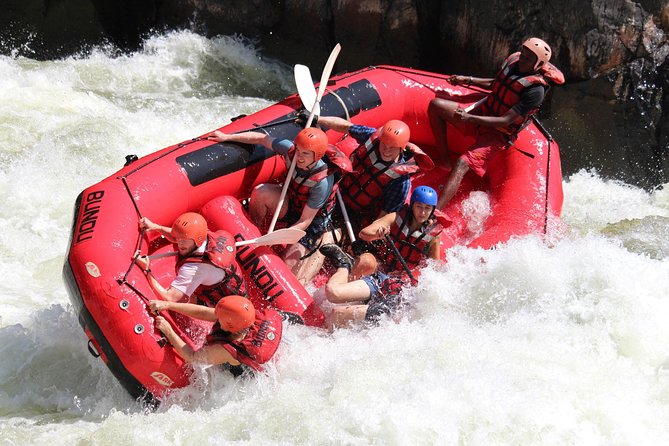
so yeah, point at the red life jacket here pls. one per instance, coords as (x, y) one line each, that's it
(413, 247)
(301, 183)
(362, 189)
(260, 343)
(232, 283)
(507, 87)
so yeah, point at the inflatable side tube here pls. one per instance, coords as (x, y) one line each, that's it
(270, 283)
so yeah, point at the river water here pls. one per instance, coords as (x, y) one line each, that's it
(527, 344)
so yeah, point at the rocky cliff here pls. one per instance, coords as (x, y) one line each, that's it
(613, 114)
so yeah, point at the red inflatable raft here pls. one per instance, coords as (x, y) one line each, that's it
(109, 294)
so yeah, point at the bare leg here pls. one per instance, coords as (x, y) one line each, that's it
(439, 112)
(305, 270)
(453, 182)
(347, 315)
(339, 290)
(292, 256)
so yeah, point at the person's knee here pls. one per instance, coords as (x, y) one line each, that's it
(262, 195)
(434, 107)
(333, 293)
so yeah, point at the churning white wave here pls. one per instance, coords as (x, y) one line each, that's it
(525, 344)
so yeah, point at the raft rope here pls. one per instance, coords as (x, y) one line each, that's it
(341, 102)
(138, 245)
(124, 180)
(549, 139)
(163, 340)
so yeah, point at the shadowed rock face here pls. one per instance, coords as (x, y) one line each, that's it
(612, 115)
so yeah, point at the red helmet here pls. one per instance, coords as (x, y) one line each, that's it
(395, 133)
(312, 139)
(235, 313)
(190, 225)
(540, 49)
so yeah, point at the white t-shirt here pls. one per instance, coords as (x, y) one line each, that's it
(192, 275)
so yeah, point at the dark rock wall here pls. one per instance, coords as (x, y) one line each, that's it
(613, 114)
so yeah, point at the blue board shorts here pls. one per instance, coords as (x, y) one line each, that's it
(381, 301)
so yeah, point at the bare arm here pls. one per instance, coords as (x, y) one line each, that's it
(378, 229)
(335, 123)
(168, 294)
(306, 218)
(171, 294)
(148, 225)
(191, 310)
(483, 82)
(209, 354)
(244, 138)
(487, 121)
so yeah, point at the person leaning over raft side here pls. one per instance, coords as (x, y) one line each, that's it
(241, 335)
(206, 269)
(516, 94)
(415, 231)
(383, 165)
(310, 197)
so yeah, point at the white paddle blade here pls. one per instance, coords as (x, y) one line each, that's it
(286, 236)
(305, 87)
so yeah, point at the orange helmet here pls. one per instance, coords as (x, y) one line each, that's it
(235, 313)
(190, 225)
(314, 140)
(395, 133)
(540, 49)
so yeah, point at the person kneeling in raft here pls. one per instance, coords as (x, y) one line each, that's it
(241, 336)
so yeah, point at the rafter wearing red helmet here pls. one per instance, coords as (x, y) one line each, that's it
(383, 165)
(243, 337)
(206, 268)
(310, 196)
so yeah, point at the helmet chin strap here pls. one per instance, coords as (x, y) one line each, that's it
(312, 164)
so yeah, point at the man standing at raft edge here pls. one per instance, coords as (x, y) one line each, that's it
(516, 94)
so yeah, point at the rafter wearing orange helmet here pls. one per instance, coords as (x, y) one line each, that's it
(310, 191)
